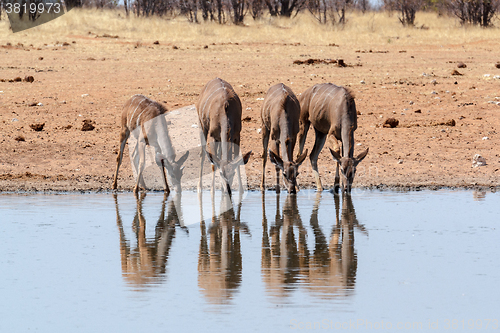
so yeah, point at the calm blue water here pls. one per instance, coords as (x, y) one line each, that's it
(379, 260)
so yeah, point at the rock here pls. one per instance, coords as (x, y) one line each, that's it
(478, 161)
(156, 42)
(455, 72)
(461, 65)
(391, 123)
(497, 65)
(19, 138)
(29, 79)
(88, 125)
(450, 122)
(37, 127)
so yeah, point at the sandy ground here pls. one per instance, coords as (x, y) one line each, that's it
(91, 78)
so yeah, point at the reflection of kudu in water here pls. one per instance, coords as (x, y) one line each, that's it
(333, 264)
(140, 111)
(283, 258)
(146, 263)
(220, 261)
(331, 267)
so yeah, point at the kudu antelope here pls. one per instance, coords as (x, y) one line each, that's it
(219, 113)
(280, 120)
(140, 111)
(332, 112)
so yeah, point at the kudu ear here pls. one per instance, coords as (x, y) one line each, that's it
(213, 159)
(360, 157)
(275, 159)
(336, 156)
(301, 158)
(242, 160)
(183, 158)
(246, 157)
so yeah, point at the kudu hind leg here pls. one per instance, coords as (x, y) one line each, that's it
(303, 129)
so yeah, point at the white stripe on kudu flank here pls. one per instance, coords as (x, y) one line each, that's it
(210, 98)
(131, 117)
(138, 121)
(274, 92)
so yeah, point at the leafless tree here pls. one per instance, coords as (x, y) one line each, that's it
(329, 11)
(256, 8)
(363, 5)
(238, 11)
(406, 9)
(476, 12)
(285, 8)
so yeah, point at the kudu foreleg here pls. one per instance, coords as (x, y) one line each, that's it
(142, 160)
(123, 140)
(337, 148)
(318, 145)
(265, 142)
(275, 148)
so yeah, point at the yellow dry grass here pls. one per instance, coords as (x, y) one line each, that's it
(375, 28)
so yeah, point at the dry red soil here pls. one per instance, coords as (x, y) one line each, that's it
(91, 78)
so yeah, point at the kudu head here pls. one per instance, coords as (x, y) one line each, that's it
(174, 168)
(227, 168)
(348, 168)
(290, 169)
